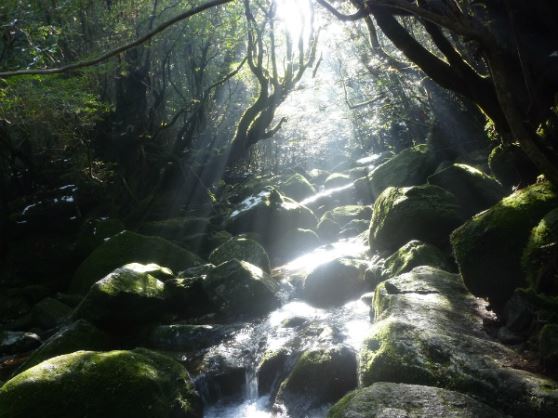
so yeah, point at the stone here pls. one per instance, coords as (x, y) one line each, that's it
(50, 312)
(129, 247)
(328, 229)
(320, 375)
(93, 233)
(344, 214)
(335, 282)
(413, 254)
(186, 297)
(411, 167)
(124, 298)
(540, 256)
(428, 330)
(115, 384)
(335, 180)
(548, 347)
(272, 370)
(511, 166)
(488, 247)
(186, 337)
(14, 342)
(238, 288)
(241, 248)
(294, 243)
(390, 400)
(79, 335)
(176, 229)
(363, 190)
(474, 190)
(297, 187)
(426, 213)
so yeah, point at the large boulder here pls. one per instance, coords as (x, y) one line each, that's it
(540, 256)
(410, 167)
(427, 213)
(320, 375)
(270, 214)
(511, 166)
(488, 247)
(79, 335)
(124, 298)
(335, 282)
(413, 254)
(186, 297)
(475, 191)
(128, 247)
(294, 243)
(93, 233)
(238, 288)
(390, 400)
(297, 187)
(241, 248)
(429, 330)
(114, 384)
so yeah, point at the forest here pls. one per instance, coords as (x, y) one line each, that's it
(278, 208)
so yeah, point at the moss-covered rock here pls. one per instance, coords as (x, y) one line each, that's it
(294, 243)
(115, 384)
(427, 213)
(238, 288)
(428, 331)
(328, 229)
(272, 369)
(297, 187)
(79, 335)
(318, 176)
(186, 297)
(475, 191)
(335, 282)
(269, 214)
(413, 254)
(320, 375)
(488, 247)
(50, 312)
(93, 233)
(126, 297)
(548, 347)
(410, 167)
(511, 166)
(363, 190)
(344, 214)
(241, 248)
(540, 256)
(128, 247)
(385, 400)
(335, 180)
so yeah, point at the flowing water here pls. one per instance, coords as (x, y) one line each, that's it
(295, 324)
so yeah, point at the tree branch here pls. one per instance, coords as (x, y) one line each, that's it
(116, 51)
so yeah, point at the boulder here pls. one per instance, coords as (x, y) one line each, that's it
(427, 213)
(413, 254)
(410, 167)
(269, 214)
(14, 342)
(429, 330)
(273, 369)
(93, 233)
(320, 375)
(115, 384)
(548, 347)
(511, 166)
(238, 288)
(128, 247)
(297, 187)
(335, 282)
(328, 229)
(540, 256)
(176, 229)
(390, 400)
(489, 246)
(335, 180)
(186, 297)
(344, 214)
(49, 313)
(294, 243)
(241, 248)
(79, 335)
(474, 190)
(124, 298)
(363, 190)
(185, 337)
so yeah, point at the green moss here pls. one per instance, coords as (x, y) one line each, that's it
(408, 168)
(297, 187)
(414, 254)
(488, 247)
(343, 214)
(128, 247)
(338, 410)
(115, 384)
(241, 248)
(511, 166)
(427, 213)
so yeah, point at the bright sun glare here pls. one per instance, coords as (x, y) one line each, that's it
(295, 15)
